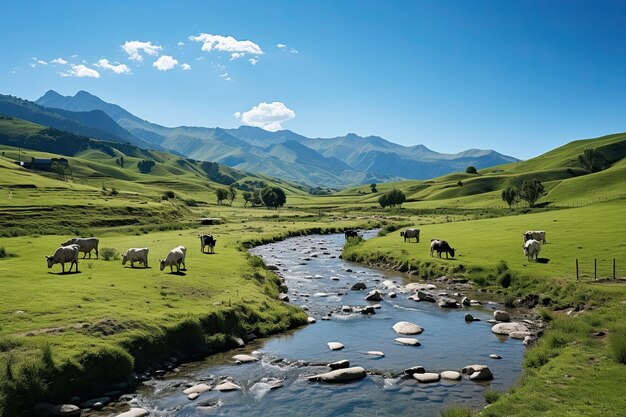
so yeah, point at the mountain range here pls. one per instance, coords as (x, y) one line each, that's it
(328, 162)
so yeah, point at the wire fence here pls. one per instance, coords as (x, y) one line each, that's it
(600, 269)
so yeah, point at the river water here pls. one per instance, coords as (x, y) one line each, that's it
(320, 281)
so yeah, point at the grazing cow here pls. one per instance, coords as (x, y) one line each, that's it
(207, 240)
(176, 257)
(64, 254)
(531, 249)
(410, 234)
(441, 246)
(539, 235)
(351, 233)
(136, 255)
(86, 245)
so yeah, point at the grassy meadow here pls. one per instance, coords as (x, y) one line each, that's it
(64, 334)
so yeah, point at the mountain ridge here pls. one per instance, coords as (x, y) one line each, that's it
(340, 161)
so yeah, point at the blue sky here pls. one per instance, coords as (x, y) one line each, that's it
(520, 77)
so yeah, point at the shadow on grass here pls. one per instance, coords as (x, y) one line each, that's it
(209, 253)
(138, 267)
(180, 273)
(65, 273)
(543, 260)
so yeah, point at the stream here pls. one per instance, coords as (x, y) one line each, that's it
(319, 281)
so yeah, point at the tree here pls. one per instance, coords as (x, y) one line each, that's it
(531, 191)
(62, 170)
(471, 170)
(592, 160)
(221, 194)
(273, 197)
(510, 194)
(256, 198)
(145, 166)
(373, 187)
(247, 198)
(393, 198)
(232, 193)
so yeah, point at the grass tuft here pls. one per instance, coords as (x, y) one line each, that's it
(457, 411)
(109, 254)
(617, 344)
(491, 396)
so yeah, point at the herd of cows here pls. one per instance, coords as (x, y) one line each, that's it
(69, 250)
(532, 242)
(68, 253)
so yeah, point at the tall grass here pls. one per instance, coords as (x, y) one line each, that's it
(457, 411)
(617, 345)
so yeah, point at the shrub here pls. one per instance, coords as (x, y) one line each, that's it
(491, 396)
(505, 279)
(169, 194)
(502, 267)
(617, 344)
(509, 301)
(109, 254)
(3, 252)
(545, 314)
(471, 169)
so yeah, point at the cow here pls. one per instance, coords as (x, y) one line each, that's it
(175, 257)
(207, 240)
(531, 249)
(538, 235)
(64, 254)
(86, 244)
(440, 246)
(410, 234)
(350, 233)
(136, 255)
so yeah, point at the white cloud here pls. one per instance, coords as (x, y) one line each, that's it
(134, 49)
(281, 45)
(200, 58)
(165, 63)
(221, 43)
(80, 71)
(253, 61)
(74, 56)
(268, 116)
(185, 67)
(181, 43)
(294, 51)
(118, 68)
(59, 61)
(37, 62)
(224, 75)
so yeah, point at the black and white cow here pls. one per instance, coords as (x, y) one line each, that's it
(207, 240)
(439, 246)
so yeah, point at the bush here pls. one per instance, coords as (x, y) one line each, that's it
(505, 279)
(169, 194)
(491, 396)
(3, 252)
(109, 254)
(617, 344)
(471, 169)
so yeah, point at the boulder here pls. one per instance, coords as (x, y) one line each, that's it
(368, 310)
(283, 297)
(358, 286)
(335, 345)
(193, 396)
(227, 386)
(416, 286)
(415, 370)
(271, 268)
(311, 320)
(377, 306)
(501, 315)
(66, 410)
(374, 296)
(453, 375)
(339, 364)
(427, 377)
(134, 412)
(465, 301)
(519, 335)
(495, 356)
(475, 303)
(199, 388)
(340, 375)
(244, 358)
(96, 403)
(375, 353)
(425, 296)
(405, 327)
(346, 309)
(392, 294)
(445, 302)
(478, 372)
(469, 317)
(409, 341)
(529, 340)
(508, 328)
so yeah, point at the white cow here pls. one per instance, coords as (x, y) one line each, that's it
(410, 234)
(64, 254)
(136, 255)
(531, 249)
(539, 235)
(86, 244)
(176, 257)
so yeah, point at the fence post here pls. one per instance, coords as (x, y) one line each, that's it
(613, 268)
(576, 268)
(595, 269)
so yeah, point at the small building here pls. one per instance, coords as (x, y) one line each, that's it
(44, 164)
